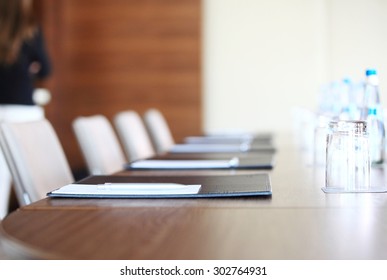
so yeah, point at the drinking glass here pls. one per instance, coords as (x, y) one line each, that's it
(347, 156)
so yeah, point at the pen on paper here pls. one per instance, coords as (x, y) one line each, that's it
(234, 162)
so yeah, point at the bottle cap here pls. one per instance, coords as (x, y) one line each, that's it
(372, 77)
(347, 81)
(370, 72)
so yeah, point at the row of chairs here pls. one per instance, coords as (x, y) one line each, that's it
(38, 163)
(140, 139)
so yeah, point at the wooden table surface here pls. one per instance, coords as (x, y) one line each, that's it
(299, 221)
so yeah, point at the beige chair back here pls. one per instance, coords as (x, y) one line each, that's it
(99, 144)
(158, 130)
(133, 135)
(35, 158)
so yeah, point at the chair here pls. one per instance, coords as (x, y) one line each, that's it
(133, 135)
(159, 130)
(99, 144)
(5, 186)
(35, 158)
(13, 114)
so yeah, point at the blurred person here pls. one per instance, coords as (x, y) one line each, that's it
(23, 61)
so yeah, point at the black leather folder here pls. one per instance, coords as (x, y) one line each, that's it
(210, 186)
(172, 161)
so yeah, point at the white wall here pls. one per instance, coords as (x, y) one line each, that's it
(262, 58)
(358, 38)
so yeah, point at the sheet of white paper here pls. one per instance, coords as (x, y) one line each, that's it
(183, 164)
(128, 189)
(217, 140)
(208, 148)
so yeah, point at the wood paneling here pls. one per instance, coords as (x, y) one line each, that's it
(116, 55)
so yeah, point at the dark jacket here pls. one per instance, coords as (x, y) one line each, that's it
(16, 81)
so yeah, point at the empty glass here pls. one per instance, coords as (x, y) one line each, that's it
(320, 139)
(347, 156)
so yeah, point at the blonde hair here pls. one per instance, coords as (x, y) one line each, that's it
(17, 24)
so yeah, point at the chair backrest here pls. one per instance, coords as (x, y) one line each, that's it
(133, 135)
(99, 144)
(158, 130)
(5, 186)
(35, 158)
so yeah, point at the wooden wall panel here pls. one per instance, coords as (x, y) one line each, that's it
(116, 55)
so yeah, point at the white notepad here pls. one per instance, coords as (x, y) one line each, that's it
(209, 148)
(124, 189)
(184, 164)
(217, 140)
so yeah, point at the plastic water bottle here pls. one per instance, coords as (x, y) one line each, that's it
(346, 102)
(372, 112)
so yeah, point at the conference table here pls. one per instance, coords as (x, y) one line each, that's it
(298, 221)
